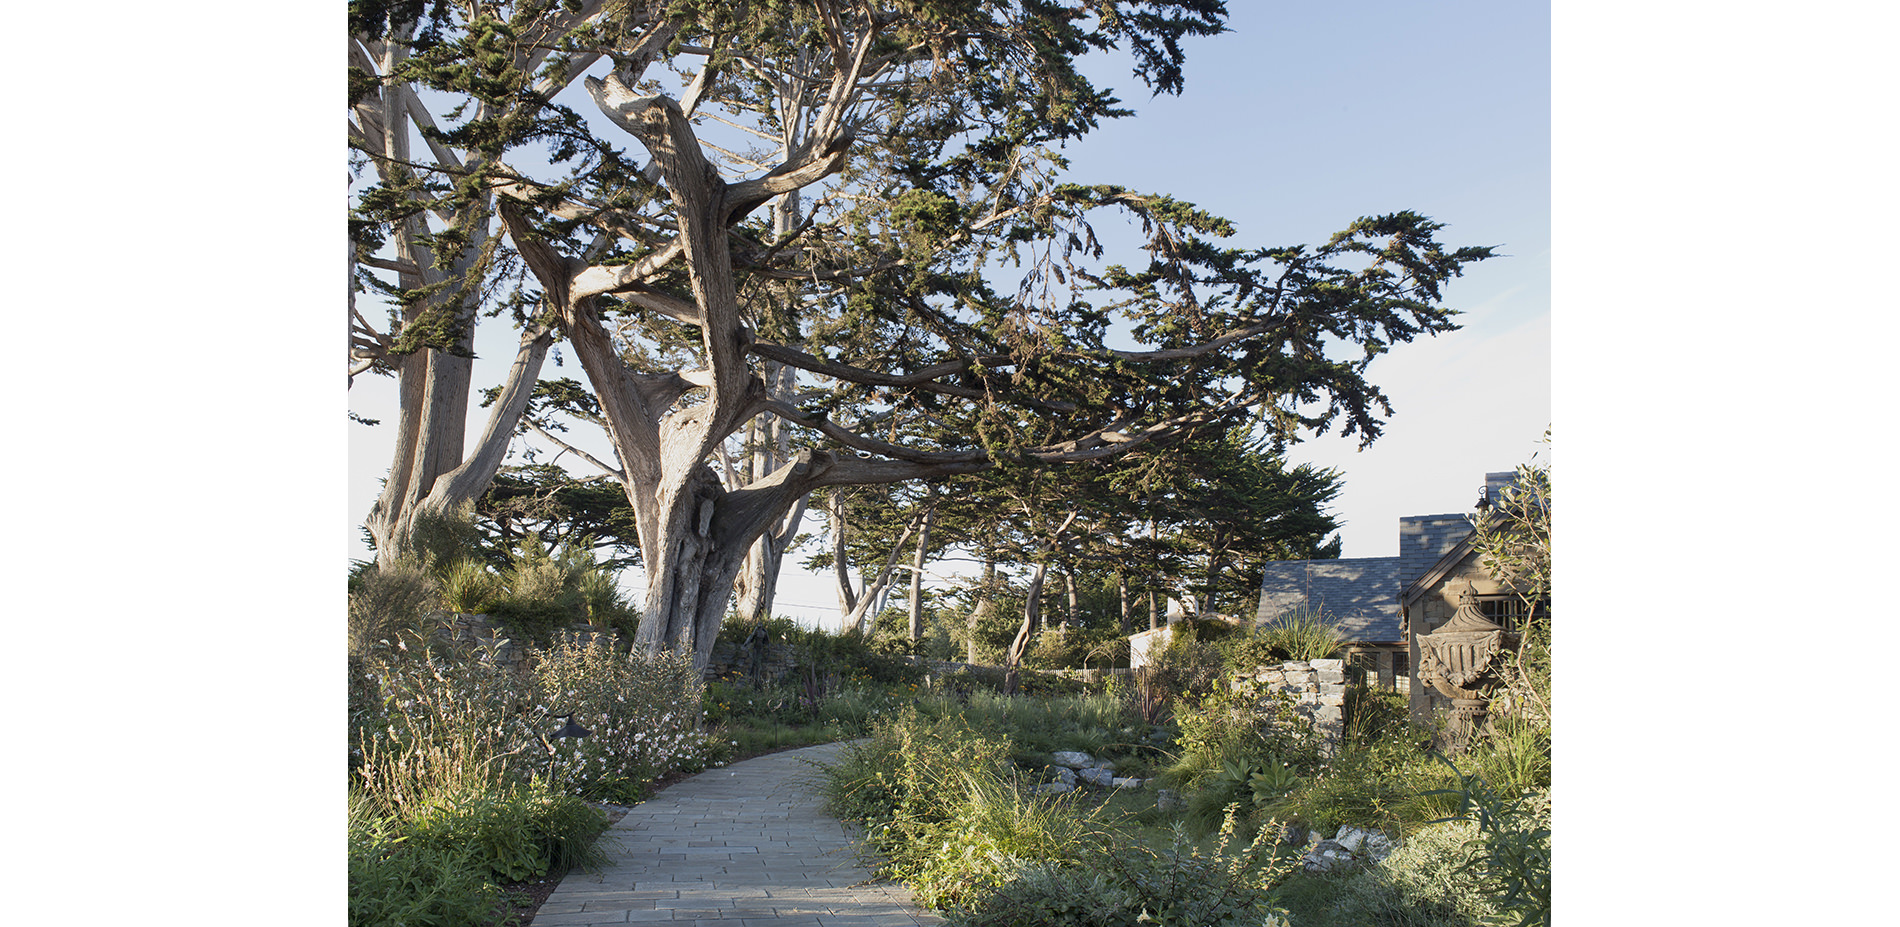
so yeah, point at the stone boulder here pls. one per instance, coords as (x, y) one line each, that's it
(1327, 856)
(1072, 768)
(1351, 846)
(1366, 844)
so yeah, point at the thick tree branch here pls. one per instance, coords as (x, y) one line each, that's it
(855, 441)
(612, 279)
(567, 448)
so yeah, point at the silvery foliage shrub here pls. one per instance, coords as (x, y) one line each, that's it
(1426, 882)
(1229, 885)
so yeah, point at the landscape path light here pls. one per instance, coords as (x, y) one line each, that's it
(570, 729)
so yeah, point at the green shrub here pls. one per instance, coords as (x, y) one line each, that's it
(389, 603)
(391, 882)
(1224, 724)
(1054, 893)
(1373, 715)
(1511, 853)
(910, 768)
(468, 586)
(854, 660)
(966, 680)
(855, 710)
(1076, 648)
(543, 592)
(946, 811)
(1194, 662)
(439, 537)
(436, 860)
(995, 829)
(1371, 786)
(941, 804)
(513, 834)
(1248, 652)
(1514, 756)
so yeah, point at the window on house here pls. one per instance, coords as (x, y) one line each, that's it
(1509, 611)
(1401, 663)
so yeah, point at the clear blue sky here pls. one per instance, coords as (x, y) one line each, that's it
(1307, 116)
(1300, 120)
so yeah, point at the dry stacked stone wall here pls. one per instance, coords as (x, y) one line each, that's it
(498, 645)
(1316, 688)
(735, 660)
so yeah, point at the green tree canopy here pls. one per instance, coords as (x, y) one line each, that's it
(810, 211)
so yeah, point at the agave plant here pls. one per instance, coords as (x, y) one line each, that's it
(1271, 780)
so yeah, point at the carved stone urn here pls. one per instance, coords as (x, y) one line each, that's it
(1462, 660)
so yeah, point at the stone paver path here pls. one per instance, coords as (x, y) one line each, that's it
(743, 844)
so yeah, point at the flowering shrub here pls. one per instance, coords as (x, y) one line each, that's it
(445, 724)
(642, 712)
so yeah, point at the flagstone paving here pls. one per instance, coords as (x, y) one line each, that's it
(742, 844)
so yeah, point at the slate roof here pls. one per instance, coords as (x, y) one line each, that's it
(1362, 593)
(1425, 538)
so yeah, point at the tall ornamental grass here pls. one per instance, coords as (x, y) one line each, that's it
(945, 812)
(1301, 634)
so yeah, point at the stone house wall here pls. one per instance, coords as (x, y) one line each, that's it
(496, 644)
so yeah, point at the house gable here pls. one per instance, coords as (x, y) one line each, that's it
(1435, 574)
(1425, 539)
(1367, 595)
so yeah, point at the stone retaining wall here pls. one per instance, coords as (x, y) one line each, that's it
(495, 643)
(1317, 689)
(734, 660)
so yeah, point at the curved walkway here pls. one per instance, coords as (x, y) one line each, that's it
(743, 844)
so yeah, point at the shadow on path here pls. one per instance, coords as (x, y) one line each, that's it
(743, 844)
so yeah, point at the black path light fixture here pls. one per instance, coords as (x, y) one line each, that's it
(570, 729)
